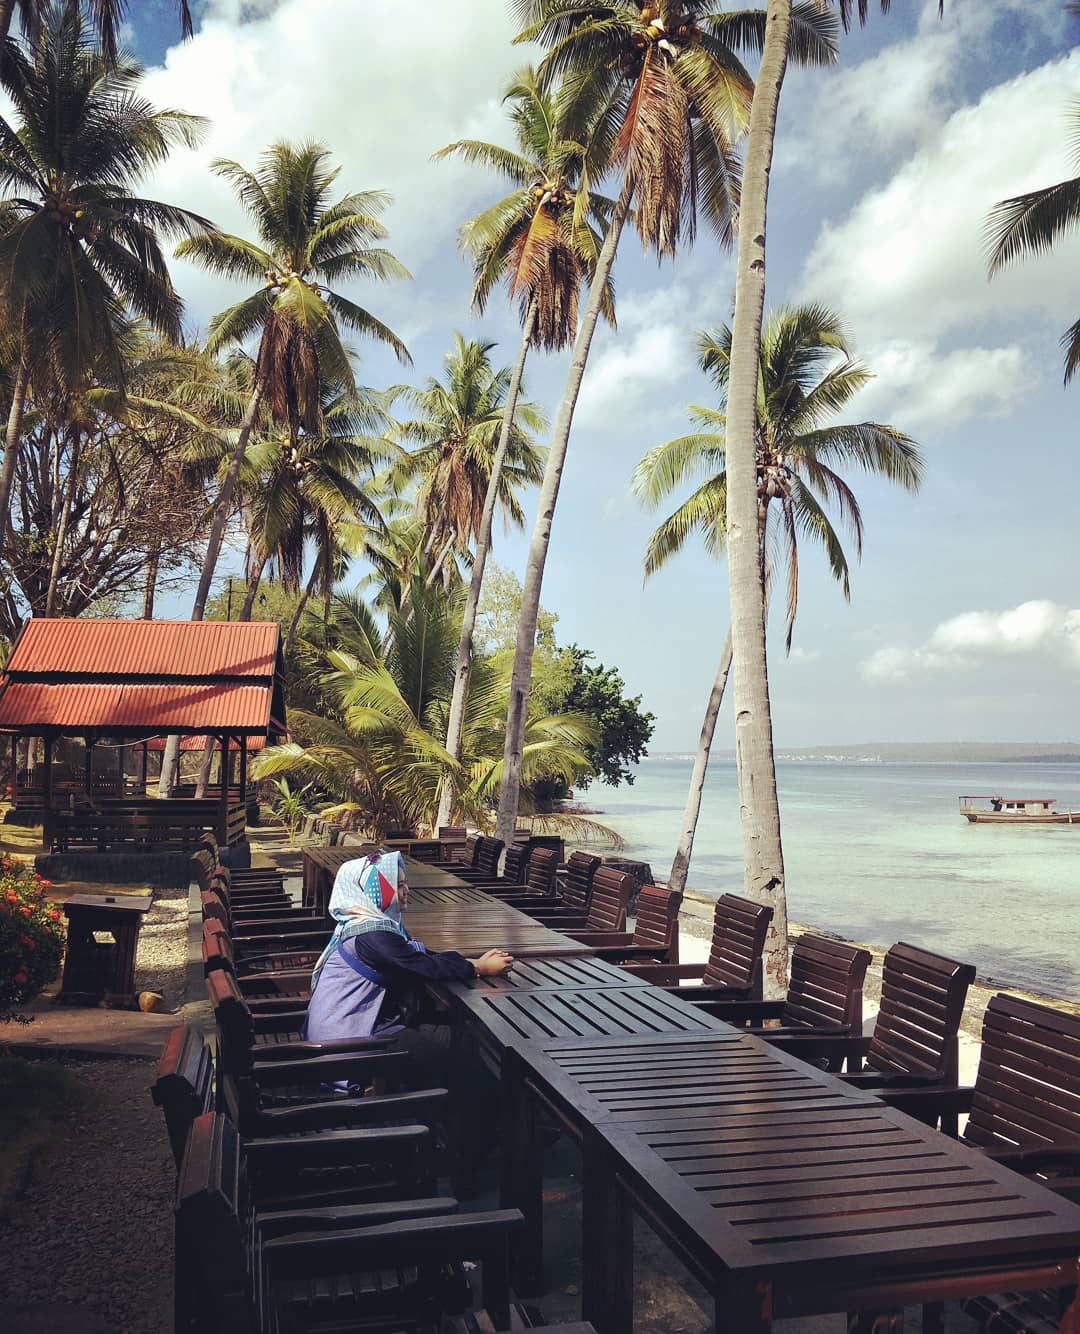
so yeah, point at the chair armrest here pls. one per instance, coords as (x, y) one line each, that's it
(1029, 1161)
(456, 1237)
(253, 928)
(290, 1020)
(280, 1222)
(284, 984)
(275, 1005)
(422, 1107)
(882, 1081)
(345, 1148)
(292, 1060)
(609, 938)
(561, 920)
(742, 1013)
(813, 1047)
(282, 941)
(669, 974)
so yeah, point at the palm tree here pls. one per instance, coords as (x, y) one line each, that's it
(457, 431)
(807, 376)
(542, 241)
(306, 242)
(763, 855)
(1031, 224)
(659, 94)
(79, 250)
(373, 747)
(108, 16)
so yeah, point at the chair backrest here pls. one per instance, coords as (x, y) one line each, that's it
(1029, 1073)
(739, 930)
(211, 1209)
(541, 875)
(489, 851)
(236, 1030)
(456, 831)
(516, 865)
(202, 866)
(400, 833)
(657, 921)
(577, 887)
(826, 986)
(472, 848)
(922, 1002)
(611, 891)
(184, 1086)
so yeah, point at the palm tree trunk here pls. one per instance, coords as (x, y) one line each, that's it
(213, 550)
(541, 536)
(763, 856)
(62, 527)
(11, 443)
(204, 768)
(254, 580)
(681, 865)
(294, 624)
(476, 583)
(224, 503)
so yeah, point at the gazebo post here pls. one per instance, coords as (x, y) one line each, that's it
(223, 809)
(14, 768)
(46, 798)
(243, 771)
(88, 764)
(145, 766)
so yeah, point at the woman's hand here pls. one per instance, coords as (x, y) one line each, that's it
(492, 963)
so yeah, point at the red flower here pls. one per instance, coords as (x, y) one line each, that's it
(22, 976)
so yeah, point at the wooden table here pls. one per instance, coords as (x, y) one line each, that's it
(784, 1191)
(546, 974)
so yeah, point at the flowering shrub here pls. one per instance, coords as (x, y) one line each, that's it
(31, 935)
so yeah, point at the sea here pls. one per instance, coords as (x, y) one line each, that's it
(878, 852)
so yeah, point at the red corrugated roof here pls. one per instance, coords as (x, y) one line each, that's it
(148, 708)
(145, 648)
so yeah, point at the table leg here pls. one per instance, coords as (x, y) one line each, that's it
(607, 1224)
(522, 1175)
(744, 1310)
(876, 1322)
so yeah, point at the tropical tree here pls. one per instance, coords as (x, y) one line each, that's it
(808, 374)
(374, 749)
(79, 248)
(456, 431)
(662, 98)
(1032, 223)
(306, 242)
(108, 16)
(759, 810)
(542, 241)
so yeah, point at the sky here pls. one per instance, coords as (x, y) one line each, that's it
(964, 620)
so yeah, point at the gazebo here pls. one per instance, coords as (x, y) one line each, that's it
(122, 683)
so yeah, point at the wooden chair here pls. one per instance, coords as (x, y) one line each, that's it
(248, 1272)
(608, 900)
(485, 862)
(825, 993)
(655, 935)
(264, 956)
(285, 987)
(452, 842)
(539, 878)
(733, 968)
(306, 925)
(915, 1042)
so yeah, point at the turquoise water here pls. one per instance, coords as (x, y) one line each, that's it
(879, 853)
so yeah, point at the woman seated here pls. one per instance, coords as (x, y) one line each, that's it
(369, 980)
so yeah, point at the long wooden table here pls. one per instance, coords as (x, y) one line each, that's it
(785, 1191)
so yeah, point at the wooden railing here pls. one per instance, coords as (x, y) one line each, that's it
(173, 825)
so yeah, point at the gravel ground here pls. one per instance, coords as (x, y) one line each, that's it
(161, 959)
(88, 1240)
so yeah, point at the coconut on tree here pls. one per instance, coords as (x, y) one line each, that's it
(808, 375)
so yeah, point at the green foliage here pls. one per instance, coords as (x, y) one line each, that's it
(598, 692)
(31, 937)
(291, 807)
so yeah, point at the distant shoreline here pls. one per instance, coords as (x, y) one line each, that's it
(929, 752)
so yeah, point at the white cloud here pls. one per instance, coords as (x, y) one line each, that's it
(907, 266)
(1039, 627)
(382, 88)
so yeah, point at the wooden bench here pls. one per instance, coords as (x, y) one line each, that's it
(825, 993)
(655, 935)
(733, 968)
(914, 1043)
(251, 1272)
